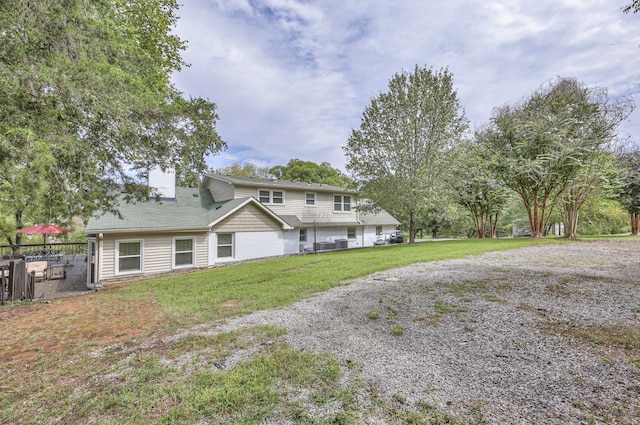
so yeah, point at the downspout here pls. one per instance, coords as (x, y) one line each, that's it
(97, 283)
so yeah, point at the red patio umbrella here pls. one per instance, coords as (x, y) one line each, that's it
(43, 229)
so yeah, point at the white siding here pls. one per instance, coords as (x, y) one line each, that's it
(259, 244)
(243, 192)
(157, 253)
(220, 191)
(249, 245)
(369, 236)
(294, 204)
(292, 241)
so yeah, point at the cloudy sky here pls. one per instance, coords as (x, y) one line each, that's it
(291, 78)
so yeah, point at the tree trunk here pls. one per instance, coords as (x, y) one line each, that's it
(534, 219)
(19, 225)
(477, 223)
(570, 222)
(493, 226)
(412, 227)
(480, 229)
(635, 220)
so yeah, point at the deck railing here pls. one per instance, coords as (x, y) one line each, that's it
(63, 248)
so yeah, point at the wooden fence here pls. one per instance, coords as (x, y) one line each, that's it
(15, 282)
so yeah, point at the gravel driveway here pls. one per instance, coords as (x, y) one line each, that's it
(528, 336)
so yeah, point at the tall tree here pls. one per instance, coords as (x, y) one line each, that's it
(630, 190)
(298, 170)
(399, 155)
(597, 177)
(476, 188)
(86, 86)
(540, 146)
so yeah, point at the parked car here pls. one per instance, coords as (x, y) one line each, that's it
(387, 238)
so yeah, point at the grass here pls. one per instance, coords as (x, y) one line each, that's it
(238, 289)
(373, 315)
(102, 358)
(623, 335)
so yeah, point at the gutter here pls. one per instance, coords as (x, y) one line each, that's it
(151, 229)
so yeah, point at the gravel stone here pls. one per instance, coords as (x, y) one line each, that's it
(487, 336)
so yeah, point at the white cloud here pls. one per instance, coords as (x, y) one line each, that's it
(291, 77)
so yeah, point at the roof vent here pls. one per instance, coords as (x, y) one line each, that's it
(195, 195)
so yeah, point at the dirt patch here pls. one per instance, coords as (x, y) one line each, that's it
(60, 324)
(233, 304)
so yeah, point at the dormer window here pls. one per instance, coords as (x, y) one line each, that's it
(271, 197)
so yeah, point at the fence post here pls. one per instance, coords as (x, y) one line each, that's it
(31, 285)
(10, 283)
(3, 282)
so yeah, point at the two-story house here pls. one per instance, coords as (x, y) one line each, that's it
(228, 219)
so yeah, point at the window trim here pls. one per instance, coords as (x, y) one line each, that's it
(306, 199)
(174, 251)
(117, 270)
(303, 235)
(232, 245)
(271, 197)
(342, 203)
(355, 233)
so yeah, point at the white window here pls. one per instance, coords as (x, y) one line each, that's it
(184, 252)
(271, 197)
(265, 196)
(310, 199)
(342, 203)
(225, 245)
(303, 235)
(378, 230)
(351, 232)
(277, 197)
(128, 257)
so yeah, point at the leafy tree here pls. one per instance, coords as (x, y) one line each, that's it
(88, 106)
(477, 189)
(596, 178)
(602, 216)
(541, 146)
(630, 190)
(444, 219)
(298, 170)
(244, 170)
(399, 156)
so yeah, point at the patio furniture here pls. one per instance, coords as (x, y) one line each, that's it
(57, 271)
(40, 267)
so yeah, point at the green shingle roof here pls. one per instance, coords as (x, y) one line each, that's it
(191, 209)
